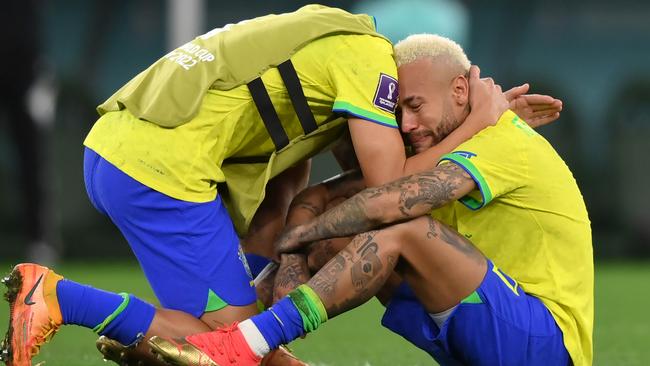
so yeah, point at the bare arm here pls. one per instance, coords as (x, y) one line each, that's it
(380, 150)
(403, 199)
(313, 200)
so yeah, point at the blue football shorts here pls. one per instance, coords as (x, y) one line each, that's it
(498, 324)
(188, 251)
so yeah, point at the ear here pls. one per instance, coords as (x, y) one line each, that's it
(460, 90)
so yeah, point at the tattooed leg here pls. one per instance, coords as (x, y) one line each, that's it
(323, 251)
(441, 266)
(355, 274)
(292, 273)
(296, 269)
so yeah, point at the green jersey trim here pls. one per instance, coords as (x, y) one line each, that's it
(345, 107)
(214, 302)
(473, 298)
(486, 193)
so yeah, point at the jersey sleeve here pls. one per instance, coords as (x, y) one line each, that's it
(364, 78)
(495, 158)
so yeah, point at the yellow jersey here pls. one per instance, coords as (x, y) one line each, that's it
(340, 75)
(528, 216)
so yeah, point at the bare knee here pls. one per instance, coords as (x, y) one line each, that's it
(322, 251)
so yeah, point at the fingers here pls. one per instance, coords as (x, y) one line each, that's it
(535, 122)
(488, 81)
(474, 73)
(532, 99)
(287, 245)
(542, 113)
(545, 108)
(512, 93)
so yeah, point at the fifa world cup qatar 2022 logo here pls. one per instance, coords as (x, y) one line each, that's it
(386, 93)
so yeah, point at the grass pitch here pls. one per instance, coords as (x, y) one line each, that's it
(621, 334)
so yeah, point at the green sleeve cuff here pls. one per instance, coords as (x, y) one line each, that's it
(345, 107)
(486, 194)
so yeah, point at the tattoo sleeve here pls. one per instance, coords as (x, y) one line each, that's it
(403, 199)
(314, 200)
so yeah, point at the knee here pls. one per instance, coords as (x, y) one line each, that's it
(322, 251)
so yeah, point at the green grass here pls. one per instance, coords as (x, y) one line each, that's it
(356, 339)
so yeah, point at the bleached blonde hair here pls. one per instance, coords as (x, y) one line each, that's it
(433, 46)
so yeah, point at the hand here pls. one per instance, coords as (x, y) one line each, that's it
(486, 99)
(288, 241)
(536, 109)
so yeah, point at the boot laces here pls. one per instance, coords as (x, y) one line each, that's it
(218, 343)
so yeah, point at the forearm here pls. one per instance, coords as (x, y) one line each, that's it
(314, 200)
(353, 216)
(403, 199)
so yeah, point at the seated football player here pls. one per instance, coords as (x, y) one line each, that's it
(494, 242)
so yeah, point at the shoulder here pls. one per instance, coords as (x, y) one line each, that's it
(509, 131)
(352, 44)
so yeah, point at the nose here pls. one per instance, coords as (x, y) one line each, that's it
(409, 122)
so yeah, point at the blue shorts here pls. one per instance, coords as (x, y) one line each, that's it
(498, 324)
(188, 251)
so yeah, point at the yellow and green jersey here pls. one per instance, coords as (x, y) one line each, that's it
(340, 75)
(528, 216)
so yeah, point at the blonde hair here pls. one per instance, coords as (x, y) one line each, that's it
(433, 46)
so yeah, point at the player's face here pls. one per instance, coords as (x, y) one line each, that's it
(427, 107)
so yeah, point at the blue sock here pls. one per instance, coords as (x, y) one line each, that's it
(256, 263)
(90, 307)
(280, 324)
(132, 323)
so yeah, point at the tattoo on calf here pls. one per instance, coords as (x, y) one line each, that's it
(291, 275)
(367, 272)
(324, 282)
(368, 266)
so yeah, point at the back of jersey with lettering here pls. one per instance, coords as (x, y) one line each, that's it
(170, 91)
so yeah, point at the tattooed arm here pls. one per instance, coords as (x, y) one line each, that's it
(403, 199)
(308, 204)
(314, 200)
